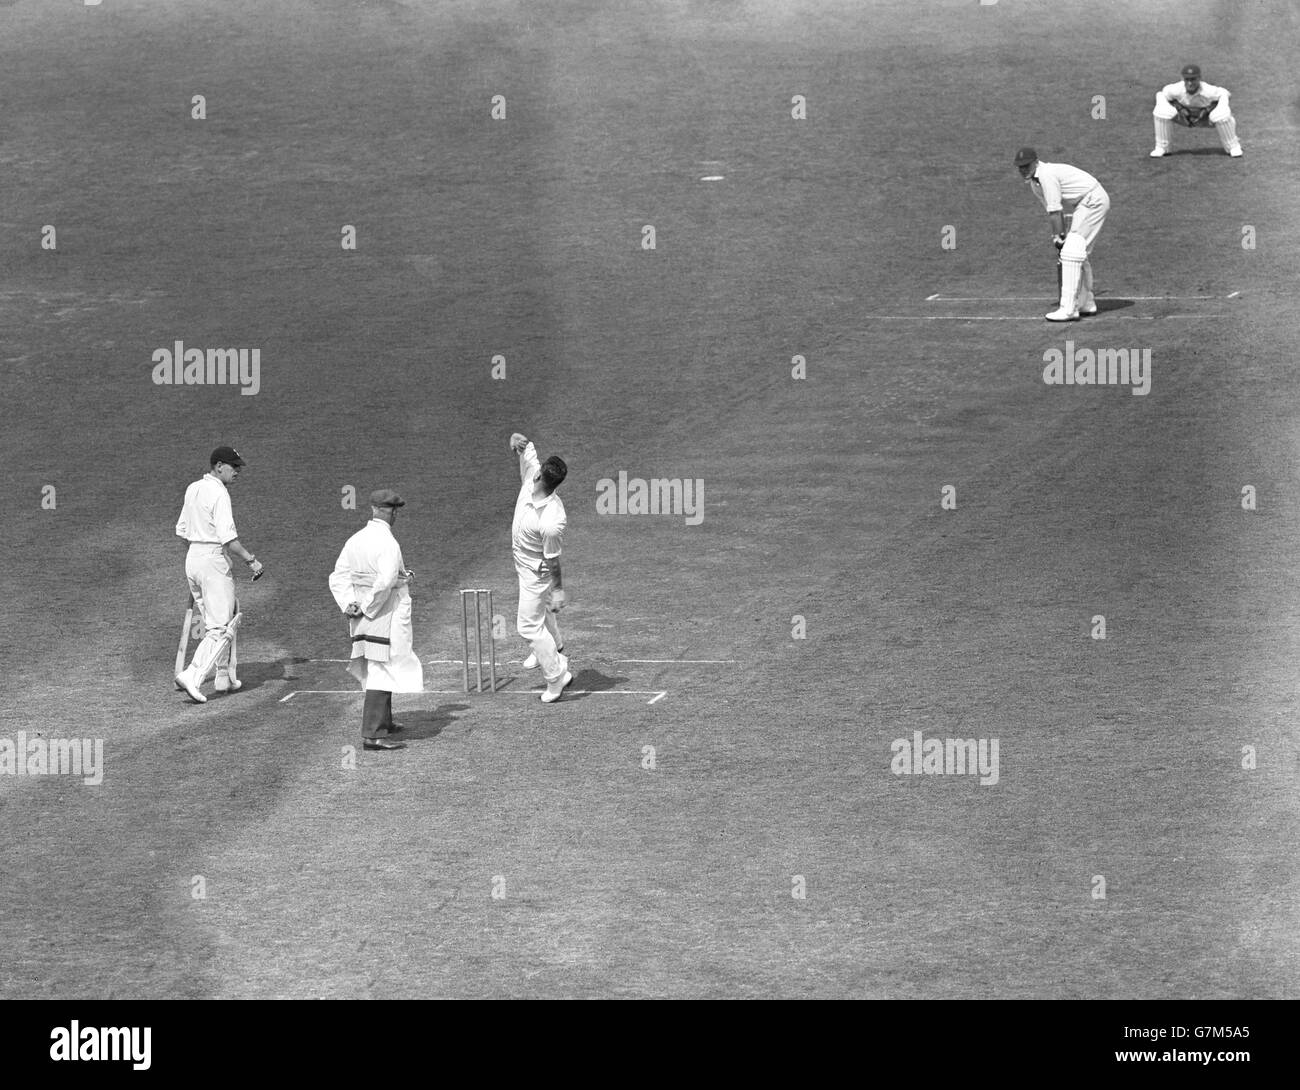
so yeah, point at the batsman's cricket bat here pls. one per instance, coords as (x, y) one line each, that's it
(184, 646)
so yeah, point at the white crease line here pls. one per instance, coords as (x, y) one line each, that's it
(1103, 298)
(698, 661)
(987, 318)
(657, 694)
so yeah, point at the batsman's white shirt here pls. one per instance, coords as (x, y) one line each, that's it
(208, 524)
(370, 572)
(1205, 94)
(206, 515)
(1060, 187)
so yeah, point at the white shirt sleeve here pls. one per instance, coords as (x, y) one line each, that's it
(223, 517)
(529, 463)
(1051, 187)
(553, 530)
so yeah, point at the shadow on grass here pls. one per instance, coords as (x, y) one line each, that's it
(419, 724)
(256, 674)
(591, 681)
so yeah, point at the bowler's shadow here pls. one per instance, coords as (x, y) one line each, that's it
(1106, 305)
(588, 681)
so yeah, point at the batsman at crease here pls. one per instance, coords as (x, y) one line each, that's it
(1065, 190)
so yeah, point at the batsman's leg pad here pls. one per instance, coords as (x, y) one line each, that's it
(227, 660)
(1075, 249)
(214, 650)
(1085, 284)
(1071, 274)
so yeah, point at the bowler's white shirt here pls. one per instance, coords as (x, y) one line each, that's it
(538, 528)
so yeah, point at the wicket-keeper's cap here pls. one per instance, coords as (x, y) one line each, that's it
(386, 497)
(1191, 71)
(229, 455)
(1026, 155)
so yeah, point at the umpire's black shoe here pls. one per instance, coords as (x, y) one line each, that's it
(381, 743)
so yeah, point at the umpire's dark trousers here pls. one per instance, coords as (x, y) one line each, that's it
(377, 717)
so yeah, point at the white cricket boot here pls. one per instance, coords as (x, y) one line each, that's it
(555, 689)
(185, 680)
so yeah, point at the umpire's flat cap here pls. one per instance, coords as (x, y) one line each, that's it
(386, 497)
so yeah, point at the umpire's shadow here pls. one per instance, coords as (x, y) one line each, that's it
(421, 723)
(253, 675)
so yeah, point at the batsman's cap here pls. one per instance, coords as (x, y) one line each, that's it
(1026, 155)
(386, 497)
(229, 455)
(1191, 71)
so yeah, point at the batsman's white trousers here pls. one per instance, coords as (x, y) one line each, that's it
(207, 569)
(1089, 216)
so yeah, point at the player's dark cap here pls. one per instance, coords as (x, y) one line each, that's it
(386, 497)
(1026, 156)
(229, 455)
(1191, 71)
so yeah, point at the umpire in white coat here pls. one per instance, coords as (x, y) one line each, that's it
(370, 584)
